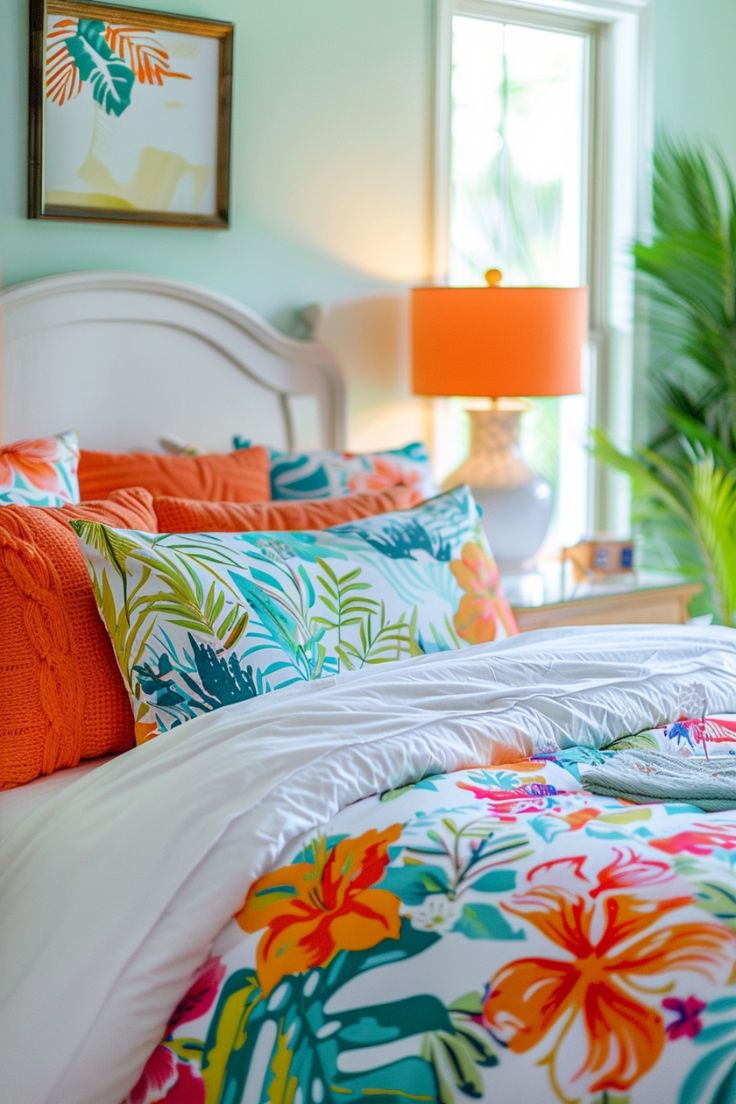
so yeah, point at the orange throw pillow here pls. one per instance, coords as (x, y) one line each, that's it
(241, 476)
(62, 697)
(181, 515)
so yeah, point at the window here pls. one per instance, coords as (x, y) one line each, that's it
(535, 135)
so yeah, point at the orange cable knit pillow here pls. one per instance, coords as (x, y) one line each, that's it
(181, 515)
(62, 698)
(241, 476)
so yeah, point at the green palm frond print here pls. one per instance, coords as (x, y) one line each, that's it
(200, 621)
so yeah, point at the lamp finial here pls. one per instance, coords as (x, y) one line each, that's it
(493, 276)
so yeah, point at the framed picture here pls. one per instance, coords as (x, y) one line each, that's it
(129, 115)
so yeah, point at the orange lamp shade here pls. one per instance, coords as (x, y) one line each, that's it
(498, 342)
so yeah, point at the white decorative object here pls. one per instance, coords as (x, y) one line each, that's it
(516, 501)
(124, 358)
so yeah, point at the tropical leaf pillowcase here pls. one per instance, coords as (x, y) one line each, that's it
(40, 472)
(199, 621)
(326, 474)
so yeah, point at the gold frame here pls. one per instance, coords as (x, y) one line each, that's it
(133, 17)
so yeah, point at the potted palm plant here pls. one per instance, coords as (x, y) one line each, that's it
(684, 478)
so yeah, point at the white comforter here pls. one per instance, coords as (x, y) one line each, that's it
(112, 894)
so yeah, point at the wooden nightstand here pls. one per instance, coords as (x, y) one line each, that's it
(623, 600)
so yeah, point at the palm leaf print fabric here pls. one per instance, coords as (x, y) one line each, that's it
(325, 474)
(200, 621)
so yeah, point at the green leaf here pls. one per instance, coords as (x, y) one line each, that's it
(496, 881)
(111, 79)
(481, 921)
(386, 1023)
(688, 273)
(414, 883)
(695, 1084)
(237, 631)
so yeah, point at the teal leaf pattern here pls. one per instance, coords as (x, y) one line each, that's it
(199, 621)
(327, 474)
(110, 78)
(454, 955)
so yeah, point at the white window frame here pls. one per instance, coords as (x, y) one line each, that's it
(619, 199)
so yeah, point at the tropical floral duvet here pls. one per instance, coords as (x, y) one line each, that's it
(391, 887)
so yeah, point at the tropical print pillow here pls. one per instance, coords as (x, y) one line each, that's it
(199, 621)
(40, 472)
(327, 474)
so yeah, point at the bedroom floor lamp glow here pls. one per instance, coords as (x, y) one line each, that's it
(497, 342)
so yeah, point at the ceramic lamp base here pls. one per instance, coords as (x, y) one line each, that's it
(516, 502)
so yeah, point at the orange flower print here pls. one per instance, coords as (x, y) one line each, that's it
(384, 472)
(144, 731)
(482, 606)
(608, 953)
(35, 461)
(313, 909)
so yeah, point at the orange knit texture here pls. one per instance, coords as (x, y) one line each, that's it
(180, 515)
(62, 697)
(241, 476)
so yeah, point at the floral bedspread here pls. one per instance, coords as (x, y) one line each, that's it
(494, 934)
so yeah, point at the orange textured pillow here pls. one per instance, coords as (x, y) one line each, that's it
(62, 697)
(241, 476)
(180, 515)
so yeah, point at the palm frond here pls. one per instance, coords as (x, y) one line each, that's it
(714, 512)
(684, 481)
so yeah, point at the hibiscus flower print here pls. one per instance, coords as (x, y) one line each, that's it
(165, 1076)
(42, 471)
(609, 953)
(383, 472)
(314, 909)
(483, 613)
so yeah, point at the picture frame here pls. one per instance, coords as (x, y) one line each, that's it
(129, 115)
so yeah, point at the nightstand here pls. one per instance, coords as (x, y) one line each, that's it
(639, 598)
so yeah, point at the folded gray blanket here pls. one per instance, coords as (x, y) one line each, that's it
(649, 777)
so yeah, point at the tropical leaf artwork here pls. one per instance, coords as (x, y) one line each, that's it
(143, 53)
(63, 81)
(108, 58)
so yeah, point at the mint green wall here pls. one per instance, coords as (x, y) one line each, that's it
(331, 147)
(330, 165)
(695, 71)
(331, 198)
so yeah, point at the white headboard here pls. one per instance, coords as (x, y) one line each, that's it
(125, 359)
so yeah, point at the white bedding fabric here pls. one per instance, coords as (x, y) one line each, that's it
(18, 803)
(113, 893)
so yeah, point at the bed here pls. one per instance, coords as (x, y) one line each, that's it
(388, 883)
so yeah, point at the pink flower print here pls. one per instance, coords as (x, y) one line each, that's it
(159, 1075)
(701, 840)
(628, 870)
(200, 996)
(688, 1023)
(165, 1078)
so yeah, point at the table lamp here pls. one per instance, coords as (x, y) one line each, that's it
(499, 343)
